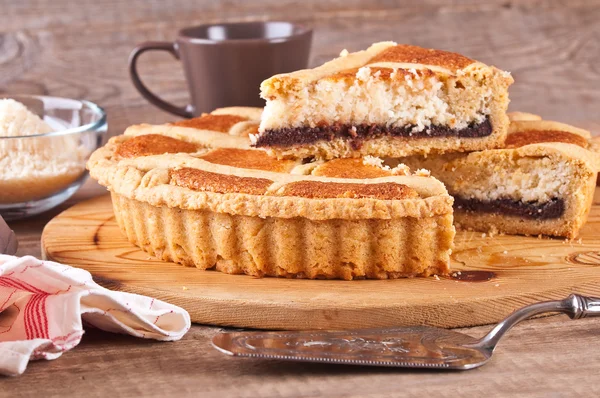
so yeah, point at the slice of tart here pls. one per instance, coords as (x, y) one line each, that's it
(390, 100)
(541, 182)
(241, 211)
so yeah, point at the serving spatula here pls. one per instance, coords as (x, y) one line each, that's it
(414, 347)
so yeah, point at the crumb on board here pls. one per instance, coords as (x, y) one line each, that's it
(437, 278)
(497, 284)
(184, 288)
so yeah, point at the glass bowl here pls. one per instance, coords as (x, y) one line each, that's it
(39, 172)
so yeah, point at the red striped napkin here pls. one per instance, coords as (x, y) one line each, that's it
(43, 305)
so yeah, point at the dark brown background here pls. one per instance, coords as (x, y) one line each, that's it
(80, 49)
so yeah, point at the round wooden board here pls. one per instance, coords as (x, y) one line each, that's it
(524, 269)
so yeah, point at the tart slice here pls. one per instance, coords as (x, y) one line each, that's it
(541, 182)
(389, 100)
(241, 211)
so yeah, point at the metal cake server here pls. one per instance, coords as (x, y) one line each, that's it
(414, 347)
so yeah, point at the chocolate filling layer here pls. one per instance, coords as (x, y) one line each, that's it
(531, 210)
(357, 134)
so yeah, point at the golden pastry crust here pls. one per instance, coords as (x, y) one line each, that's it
(221, 123)
(528, 137)
(222, 128)
(215, 208)
(538, 131)
(407, 54)
(522, 116)
(291, 248)
(420, 101)
(153, 144)
(246, 159)
(150, 179)
(349, 168)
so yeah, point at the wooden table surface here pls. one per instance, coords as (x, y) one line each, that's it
(80, 49)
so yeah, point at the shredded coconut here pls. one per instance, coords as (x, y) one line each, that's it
(253, 138)
(401, 170)
(34, 168)
(363, 73)
(375, 161)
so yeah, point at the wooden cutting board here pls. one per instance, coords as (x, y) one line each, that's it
(493, 276)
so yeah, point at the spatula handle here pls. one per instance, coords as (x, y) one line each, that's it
(575, 306)
(582, 306)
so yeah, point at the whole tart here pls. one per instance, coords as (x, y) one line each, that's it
(179, 196)
(541, 182)
(389, 100)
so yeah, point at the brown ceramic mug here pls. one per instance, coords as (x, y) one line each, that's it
(224, 64)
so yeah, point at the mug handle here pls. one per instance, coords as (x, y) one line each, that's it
(184, 111)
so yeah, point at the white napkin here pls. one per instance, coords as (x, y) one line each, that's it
(43, 304)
